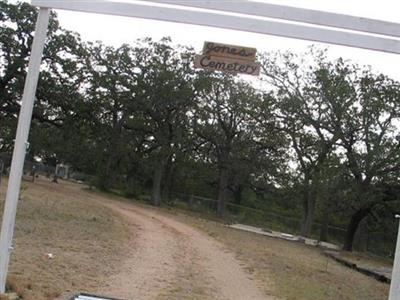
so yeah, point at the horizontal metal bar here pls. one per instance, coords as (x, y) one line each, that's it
(228, 22)
(294, 14)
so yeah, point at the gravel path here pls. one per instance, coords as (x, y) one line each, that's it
(172, 260)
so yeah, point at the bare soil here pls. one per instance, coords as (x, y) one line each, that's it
(137, 252)
(173, 260)
(299, 272)
(86, 240)
(107, 245)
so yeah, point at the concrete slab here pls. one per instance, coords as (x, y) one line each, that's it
(285, 236)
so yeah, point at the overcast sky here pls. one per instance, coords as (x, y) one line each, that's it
(117, 30)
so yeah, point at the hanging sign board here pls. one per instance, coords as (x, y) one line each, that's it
(229, 51)
(228, 65)
(228, 59)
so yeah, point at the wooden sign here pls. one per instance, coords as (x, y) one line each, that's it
(229, 51)
(228, 58)
(229, 65)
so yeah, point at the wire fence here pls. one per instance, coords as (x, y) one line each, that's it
(381, 242)
(377, 242)
(236, 213)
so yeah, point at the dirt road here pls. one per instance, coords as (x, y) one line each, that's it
(172, 260)
(107, 245)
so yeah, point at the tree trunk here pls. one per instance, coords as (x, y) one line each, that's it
(55, 178)
(157, 178)
(191, 202)
(1, 169)
(323, 237)
(308, 213)
(222, 191)
(351, 230)
(360, 242)
(237, 194)
(130, 187)
(168, 180)
(107, 174)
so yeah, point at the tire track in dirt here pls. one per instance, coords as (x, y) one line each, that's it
(172, 260)
(168, 259)
(150, 265)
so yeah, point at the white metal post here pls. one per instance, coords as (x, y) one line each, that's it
(24, 123)
(214, 19)
(394, 293)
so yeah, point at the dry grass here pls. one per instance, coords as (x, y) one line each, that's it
(86, 239)
(291, 270)
(367, 260)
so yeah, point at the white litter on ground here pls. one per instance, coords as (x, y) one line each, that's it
(91, 297)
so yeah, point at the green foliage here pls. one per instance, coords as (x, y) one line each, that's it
(319, 140)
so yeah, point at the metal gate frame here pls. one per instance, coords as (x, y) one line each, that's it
(332, 28)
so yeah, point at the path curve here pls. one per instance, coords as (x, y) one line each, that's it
(172, 260)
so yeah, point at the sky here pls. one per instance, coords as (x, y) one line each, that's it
(113, 30)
